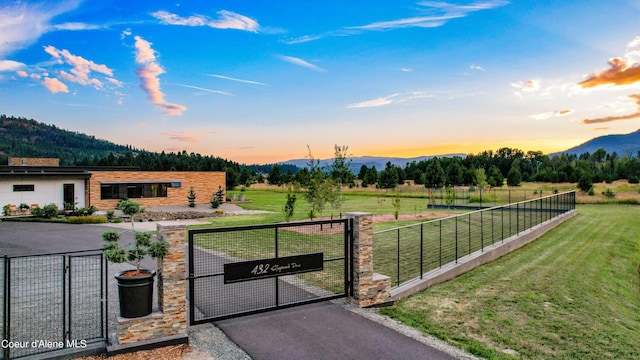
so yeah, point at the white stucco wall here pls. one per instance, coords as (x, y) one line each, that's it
(45, 192)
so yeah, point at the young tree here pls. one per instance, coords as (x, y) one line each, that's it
(289, 205)
(340, 171)
(192, 197)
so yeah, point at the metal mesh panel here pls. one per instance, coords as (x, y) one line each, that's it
(408, 252)
(51, 300)
(211, 249)
(37, 302)
(86, 295)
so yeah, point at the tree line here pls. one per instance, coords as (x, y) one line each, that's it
(506, 165)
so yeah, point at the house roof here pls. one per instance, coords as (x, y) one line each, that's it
(43, 171)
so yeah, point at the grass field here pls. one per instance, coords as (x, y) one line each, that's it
(574, 293)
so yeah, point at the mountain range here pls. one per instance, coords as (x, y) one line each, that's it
(622, 144)
(28, 138)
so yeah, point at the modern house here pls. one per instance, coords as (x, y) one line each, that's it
(40, 181)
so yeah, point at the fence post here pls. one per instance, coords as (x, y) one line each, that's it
(6, 315)
(369, 288)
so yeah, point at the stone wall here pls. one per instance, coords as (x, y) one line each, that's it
(171, 319)
(16, 161)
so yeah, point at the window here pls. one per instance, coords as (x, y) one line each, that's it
(29, 187)
(133, 190)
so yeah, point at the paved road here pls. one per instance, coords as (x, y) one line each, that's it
(322, 331)
(21, 238)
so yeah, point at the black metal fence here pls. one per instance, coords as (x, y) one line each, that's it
(243, 270)
(406, 253)
(52, 302)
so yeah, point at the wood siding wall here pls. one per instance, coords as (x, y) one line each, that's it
(205, 184)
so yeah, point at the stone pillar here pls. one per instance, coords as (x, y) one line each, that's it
(169, 321)
(369, 288)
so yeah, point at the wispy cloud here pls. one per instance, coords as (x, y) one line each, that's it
(435, 14)
(226, 20)
(622, 72)
(300, 62)
(148, 72)
(477, 68)
(81, 68)
(207, 90)
(75, 26)
(527, 86)
(10, 65)
(302, 39)
(429, 14)
(22, 23)
(181, 136)
(395, 98)
(551, 114)
(237, 80)
(607, 119)
(406, 69)
(54, 85)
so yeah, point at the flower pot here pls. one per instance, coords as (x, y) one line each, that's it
(135, 294)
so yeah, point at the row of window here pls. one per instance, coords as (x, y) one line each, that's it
(133, 191)
(118, 191)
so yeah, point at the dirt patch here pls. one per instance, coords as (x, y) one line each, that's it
(163, 353)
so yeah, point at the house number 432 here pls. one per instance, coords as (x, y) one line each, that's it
(260, 269)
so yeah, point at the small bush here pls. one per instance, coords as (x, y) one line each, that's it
(110, 214)
(609, 194)
(87, 219)
(49, 211)
(6, 210)
(37, 211)
(117, 221)
(634, 179)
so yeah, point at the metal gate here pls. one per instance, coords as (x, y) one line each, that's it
(52, 302)
(238, 271)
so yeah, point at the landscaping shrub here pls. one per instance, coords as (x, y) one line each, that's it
(634, 179)
(37, 211)
(87, 219)
(192, 197)
(609, 194)
(49, 211)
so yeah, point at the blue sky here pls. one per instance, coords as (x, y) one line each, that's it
(258, 81)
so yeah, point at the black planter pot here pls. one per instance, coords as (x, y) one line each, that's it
(135, 294)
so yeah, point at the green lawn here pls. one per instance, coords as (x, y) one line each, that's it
(574, 293)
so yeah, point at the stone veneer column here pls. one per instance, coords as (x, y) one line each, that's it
(369, 288)
(171, 319)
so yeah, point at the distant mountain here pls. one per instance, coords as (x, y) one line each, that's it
(378, 161)
(22, 137)
(626, 144)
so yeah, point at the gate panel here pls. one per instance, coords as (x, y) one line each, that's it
(254, 250)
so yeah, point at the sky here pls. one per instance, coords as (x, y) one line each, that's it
(264, 81)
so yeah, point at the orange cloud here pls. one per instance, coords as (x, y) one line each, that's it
(148, 73)
(54, 85)
(620, 72)
(617, 118)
